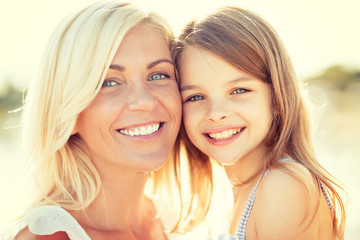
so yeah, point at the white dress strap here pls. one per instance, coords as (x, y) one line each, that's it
(48, 219)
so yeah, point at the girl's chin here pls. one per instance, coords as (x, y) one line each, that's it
(225, 162)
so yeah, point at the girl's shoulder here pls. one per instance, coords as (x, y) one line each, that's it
(286, 201)
(290, 173)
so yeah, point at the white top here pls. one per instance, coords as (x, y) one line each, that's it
(48, 219)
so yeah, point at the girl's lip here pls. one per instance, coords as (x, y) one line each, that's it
(224, 141)
(221, 129)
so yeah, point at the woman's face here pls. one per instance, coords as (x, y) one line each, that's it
(227, 113)
(134, 120)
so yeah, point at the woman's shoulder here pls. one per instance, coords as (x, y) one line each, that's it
(26, 234)
(287, 198)
(50, 222)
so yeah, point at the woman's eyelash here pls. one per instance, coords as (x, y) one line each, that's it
(158, 76)
(109, 83)
(114, 82)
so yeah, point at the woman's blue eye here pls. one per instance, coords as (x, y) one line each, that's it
(239, 91)
(109, 83)
(195, 98)
(158, 76)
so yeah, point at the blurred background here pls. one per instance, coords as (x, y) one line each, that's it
(322, 38)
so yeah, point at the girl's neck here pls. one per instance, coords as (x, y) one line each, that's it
(246, 171)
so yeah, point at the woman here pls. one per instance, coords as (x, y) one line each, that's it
(242, 107)
(102, 115)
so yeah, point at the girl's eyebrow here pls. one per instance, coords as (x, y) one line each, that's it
(239, 79)
(149, 66)
(187, 87)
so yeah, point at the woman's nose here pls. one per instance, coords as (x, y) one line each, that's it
(141, 98)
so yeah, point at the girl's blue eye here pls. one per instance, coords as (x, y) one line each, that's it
(158, 76)
(195, 98)
(109, 83)
(239, 91)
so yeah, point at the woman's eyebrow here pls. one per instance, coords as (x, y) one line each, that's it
(117, 67)
(149, 66)
(153, 64)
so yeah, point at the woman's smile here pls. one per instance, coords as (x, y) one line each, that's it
(142, 132)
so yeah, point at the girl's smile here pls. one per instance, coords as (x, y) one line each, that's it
(219, 138)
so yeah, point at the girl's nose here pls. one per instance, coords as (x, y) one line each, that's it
(217, 111)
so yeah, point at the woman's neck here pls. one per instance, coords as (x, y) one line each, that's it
(120, 205)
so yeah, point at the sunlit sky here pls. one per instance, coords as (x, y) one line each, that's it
(317, 33)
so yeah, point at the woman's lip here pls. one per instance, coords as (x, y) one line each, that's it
(139, 125)
(138, 134)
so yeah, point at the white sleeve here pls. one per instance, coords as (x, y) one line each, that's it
(46, 220)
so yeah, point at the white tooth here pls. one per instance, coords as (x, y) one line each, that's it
(131, 133)
(149, 130)
(228, 134)
(136, 132)
(121, 131)
(212, 135)
(143, 131)
(156, 127)
(218, 135)
(224, 134)
(126, 132)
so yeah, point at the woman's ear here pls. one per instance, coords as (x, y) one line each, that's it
(75, 130)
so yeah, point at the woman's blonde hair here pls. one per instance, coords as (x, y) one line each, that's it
(70, 75)
(249, 43)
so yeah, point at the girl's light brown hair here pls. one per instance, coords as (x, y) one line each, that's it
(249, 43)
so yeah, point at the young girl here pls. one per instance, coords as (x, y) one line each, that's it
(242, 107)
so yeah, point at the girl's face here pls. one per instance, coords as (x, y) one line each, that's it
(134, 120)
(227, 113)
